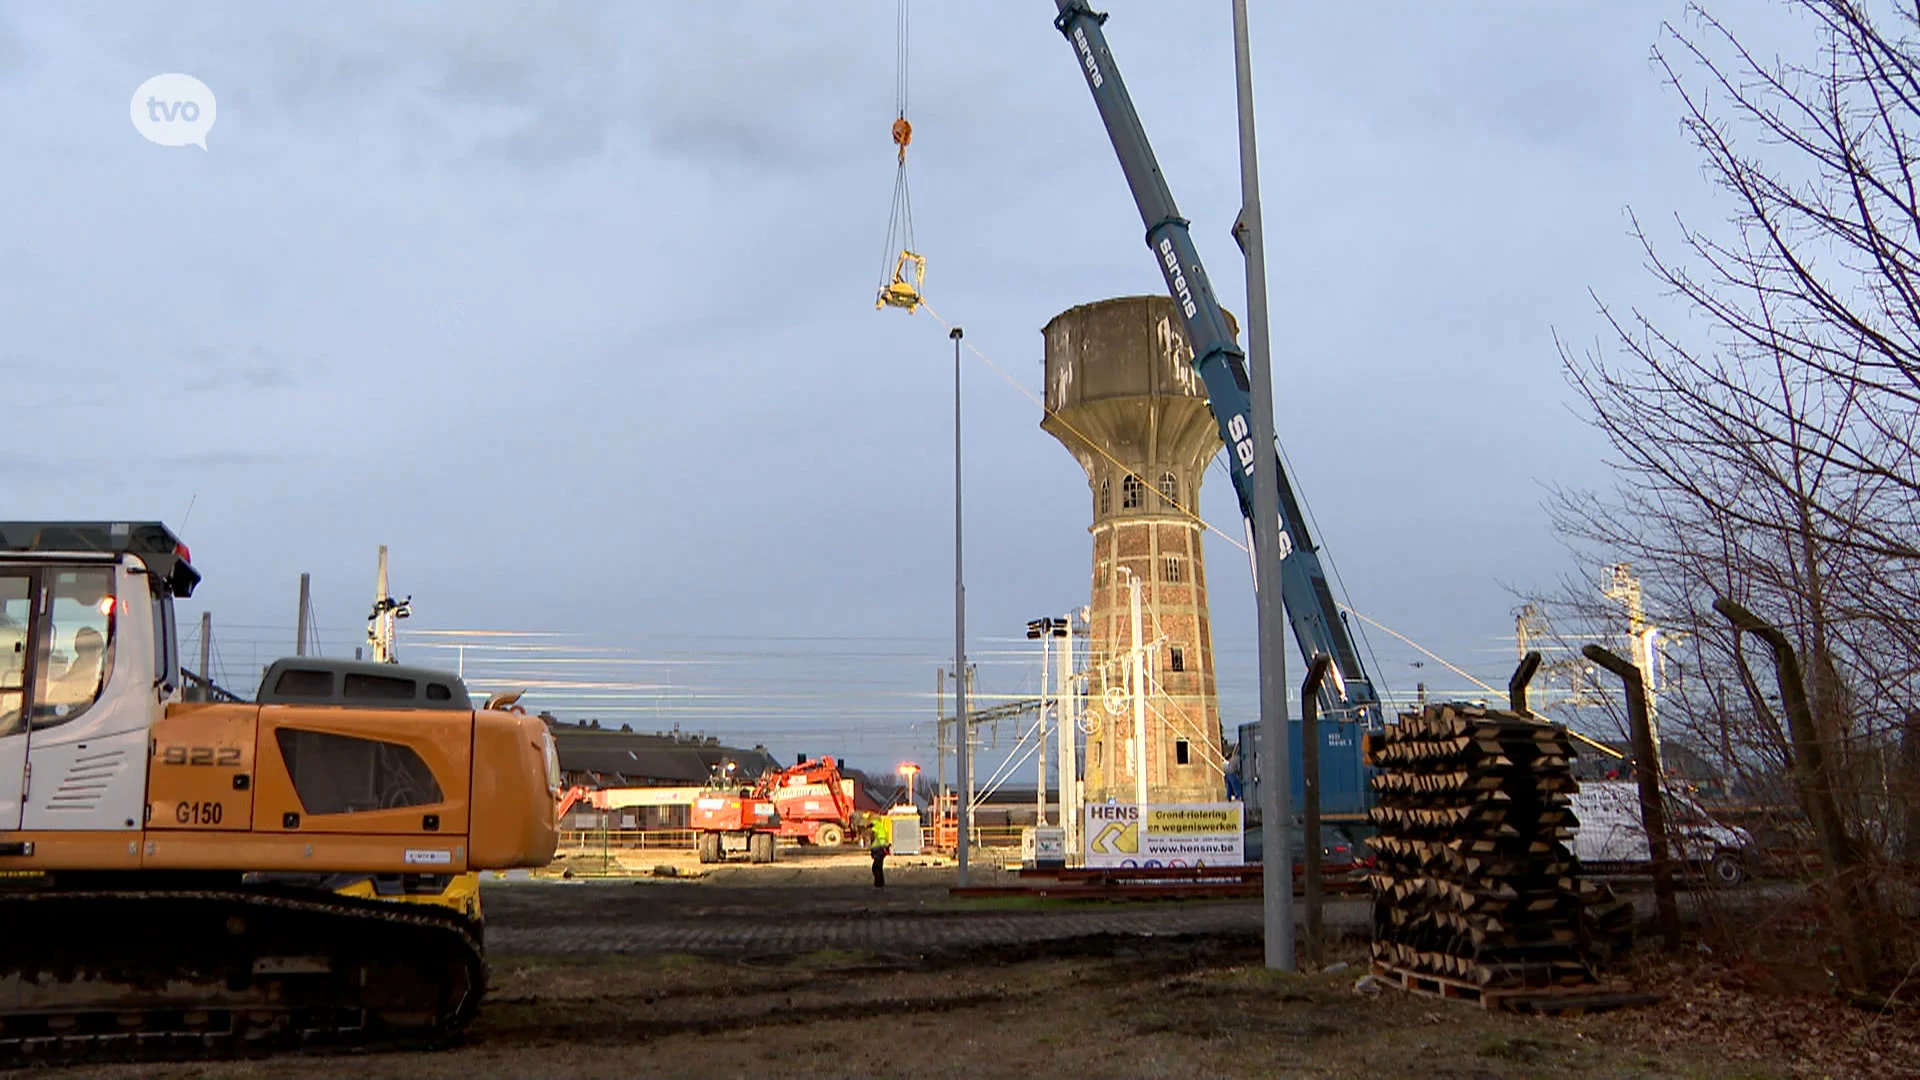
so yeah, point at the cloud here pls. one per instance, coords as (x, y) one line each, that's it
(223, 459)
(538, 87)
(42, 468)
(16, 55)
(507, 81)
(257, 368)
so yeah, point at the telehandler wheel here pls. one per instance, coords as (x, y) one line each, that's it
(828, 836)
(1727, 871)
(760, 848)
(709, 847)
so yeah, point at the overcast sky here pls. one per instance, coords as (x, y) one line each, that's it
(572, 306)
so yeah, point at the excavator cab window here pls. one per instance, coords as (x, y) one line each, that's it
(380, 687)
(166, 647)
(299, 682)
(16, 611)
(77, 659)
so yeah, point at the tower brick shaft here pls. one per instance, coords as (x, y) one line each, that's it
(1123, 397)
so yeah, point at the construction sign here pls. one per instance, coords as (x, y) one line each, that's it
(1113, 830)
(1185, 834)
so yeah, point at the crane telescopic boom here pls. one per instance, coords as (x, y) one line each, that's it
(1311, 611)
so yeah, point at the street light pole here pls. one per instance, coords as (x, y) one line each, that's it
(1066, 719)
(1275, 775)
(964, 781)
(1139, 669)
(1046, 630)
(1040, 735)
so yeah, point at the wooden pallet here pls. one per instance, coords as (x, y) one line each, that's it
(1546, 1000)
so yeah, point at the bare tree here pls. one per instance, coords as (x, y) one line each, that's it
(1775, 458)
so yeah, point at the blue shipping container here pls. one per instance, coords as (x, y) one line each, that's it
(1343, 774)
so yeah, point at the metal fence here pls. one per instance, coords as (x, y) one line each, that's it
(991, 836)
(627, 839)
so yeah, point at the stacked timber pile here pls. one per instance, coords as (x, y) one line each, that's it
(1609, 922)
(1475, 888)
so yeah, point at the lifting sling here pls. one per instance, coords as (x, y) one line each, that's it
(904, 271)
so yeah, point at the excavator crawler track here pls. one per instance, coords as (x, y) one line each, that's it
(133, 974)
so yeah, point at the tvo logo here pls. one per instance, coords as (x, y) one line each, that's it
(173, 110)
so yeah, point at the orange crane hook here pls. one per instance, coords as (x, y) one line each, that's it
(902, 135)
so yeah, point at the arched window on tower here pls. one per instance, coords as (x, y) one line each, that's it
(1106, 498)
(1132, 493)
(1170, 489)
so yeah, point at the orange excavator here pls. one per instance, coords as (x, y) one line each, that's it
(200, 875)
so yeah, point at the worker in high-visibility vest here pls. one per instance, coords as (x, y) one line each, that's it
(880, 843)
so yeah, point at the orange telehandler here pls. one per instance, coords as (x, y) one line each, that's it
(814, 802)
(810, 802)
(205, 874)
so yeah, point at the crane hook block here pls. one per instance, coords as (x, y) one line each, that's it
(900, 292)
(902, 135)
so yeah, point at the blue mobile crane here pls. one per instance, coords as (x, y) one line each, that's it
(1347, 698)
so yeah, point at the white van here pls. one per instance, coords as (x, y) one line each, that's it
(1610, 837)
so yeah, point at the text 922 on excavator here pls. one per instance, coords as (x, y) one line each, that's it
(201, 874)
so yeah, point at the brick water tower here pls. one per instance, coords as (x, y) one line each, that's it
(1122, 396)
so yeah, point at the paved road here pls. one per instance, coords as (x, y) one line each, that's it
(742, 916)
(599, 918)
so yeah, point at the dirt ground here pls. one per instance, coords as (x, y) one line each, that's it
(1102, 1008)
(721, 1001)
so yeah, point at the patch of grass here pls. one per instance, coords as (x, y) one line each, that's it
(823, 959)
(544, 961)
(532, 963)
(1006, 903)
(1045, 903)
(1522, 1050)
(1259, 977)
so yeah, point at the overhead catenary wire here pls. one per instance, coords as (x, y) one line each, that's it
(1381, 688)
(569, 674)
(597, 667)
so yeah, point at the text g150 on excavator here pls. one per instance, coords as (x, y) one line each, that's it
(203, 876)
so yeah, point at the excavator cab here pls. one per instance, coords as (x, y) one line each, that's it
(900, 292)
